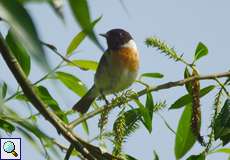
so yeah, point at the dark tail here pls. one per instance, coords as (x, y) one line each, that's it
(84, 103)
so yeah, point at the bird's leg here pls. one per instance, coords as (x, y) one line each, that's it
(116, 98)
(104, 97)
(115, 95)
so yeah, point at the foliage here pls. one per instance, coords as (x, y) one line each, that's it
(222, 124)
(23, 28)
(23, 40)
(184, 136)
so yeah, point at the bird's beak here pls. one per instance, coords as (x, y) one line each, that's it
(103, 35)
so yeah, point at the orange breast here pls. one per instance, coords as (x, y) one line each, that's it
(127, 57)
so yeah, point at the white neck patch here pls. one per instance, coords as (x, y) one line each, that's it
(130, 44)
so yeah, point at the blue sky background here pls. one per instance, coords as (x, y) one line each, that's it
(182, 24)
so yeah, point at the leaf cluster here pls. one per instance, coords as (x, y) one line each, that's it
(132, 116)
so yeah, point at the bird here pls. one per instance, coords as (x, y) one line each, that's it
(117, 68)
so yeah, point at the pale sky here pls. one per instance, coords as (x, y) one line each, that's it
(180, 23)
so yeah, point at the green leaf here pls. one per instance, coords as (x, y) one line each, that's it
(85, 127)
(81, 13)
(21, 97)
(19, 52)
(28, 126)
(132, 118)
(57, 6)
(132, 115)
(84, 64)
(44, 94)
(196, 157)
(168, 125)
(225, 138)
(75, 153)
(3, 90)
(33, 129)
(29, 138)
(72, 82)
(201, 50)
(221, 150)
(145, 114)
(128, 157)
(6, 126)
(185, 138)
(76, 41)
(222, 124)
(26, 1)
(149, 104)
(227, 82)
(156, 157)
(23, 27)
(188, 86)
(152, 75)
(186, 99)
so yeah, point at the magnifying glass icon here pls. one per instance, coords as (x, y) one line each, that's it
(9, 147)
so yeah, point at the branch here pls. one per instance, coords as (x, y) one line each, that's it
(87, 150)
(149, 89)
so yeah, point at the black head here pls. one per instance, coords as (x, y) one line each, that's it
(116, 38)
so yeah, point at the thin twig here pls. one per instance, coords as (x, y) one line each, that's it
(59, 145)
(64, 58)
(69, 151)
(216, 147)
(47, 156)
(167, 124)
(223, 87)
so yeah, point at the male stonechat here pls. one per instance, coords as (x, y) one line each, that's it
(117, 69)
